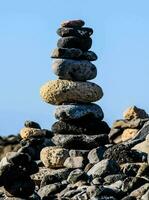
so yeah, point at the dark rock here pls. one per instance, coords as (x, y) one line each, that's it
(130, 169)
(18, 158)
(23, 187)
(129, 198)
(69, 112)
(31, 124)
(75, 42)
(96, 155)
(76, 70)
(104, 168)
(122, 154)
(92, 127)
(80, 141)
(84, 32)
(89, 55)
(68, 53)
(73, 23)
(132, 183)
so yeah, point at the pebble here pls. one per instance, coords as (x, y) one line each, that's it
(76, 70)
(60, 91)
(76, 175)
(73, 23)
(104, 168)
(83, 32)
(31, 124)
(54, 157)
(76, 111)
(75, 42)
(80, 141)
(96, 154)
(74, 162)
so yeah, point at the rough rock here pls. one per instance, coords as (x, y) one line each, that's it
(88, 127)
(76, 70)
(83, 32)
(80, 141)
(61, 91)
(77, 111)
(138, 193)
(54, 157)
(69, 53)
(73, 23)
(31, 124)
(26, 133)
(75, 42)
(134, 113)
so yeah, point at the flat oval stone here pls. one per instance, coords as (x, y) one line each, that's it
(84, 32)
(90, 127)
(77, 111)
(66, 53)
(75, 42)
(26, 133)
(73, 23)
(60, 91)
(80, 141)
(73, 53)
(77, 70)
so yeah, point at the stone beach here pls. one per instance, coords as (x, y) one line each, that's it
(80, 157)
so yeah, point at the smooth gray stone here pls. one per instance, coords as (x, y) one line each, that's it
(104, 168)
(77, 111)
(78, 70)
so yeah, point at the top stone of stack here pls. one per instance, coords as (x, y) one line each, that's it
(73, 23)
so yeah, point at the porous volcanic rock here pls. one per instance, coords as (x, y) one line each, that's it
(61, 91)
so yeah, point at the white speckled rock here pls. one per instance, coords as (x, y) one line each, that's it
(26, 133)
(62, 91)
(77, 111)
(54, 157)
(77, 70)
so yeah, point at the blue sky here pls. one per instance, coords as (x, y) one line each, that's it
(28, 35)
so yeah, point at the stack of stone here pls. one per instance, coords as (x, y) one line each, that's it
(80, 124)
(34, 139)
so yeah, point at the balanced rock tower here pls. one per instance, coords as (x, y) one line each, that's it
(79, 125)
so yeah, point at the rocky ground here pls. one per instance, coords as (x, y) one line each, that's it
(80, 157)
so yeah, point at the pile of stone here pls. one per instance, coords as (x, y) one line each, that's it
(132, 127)
(34, 139)
(81, 158)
